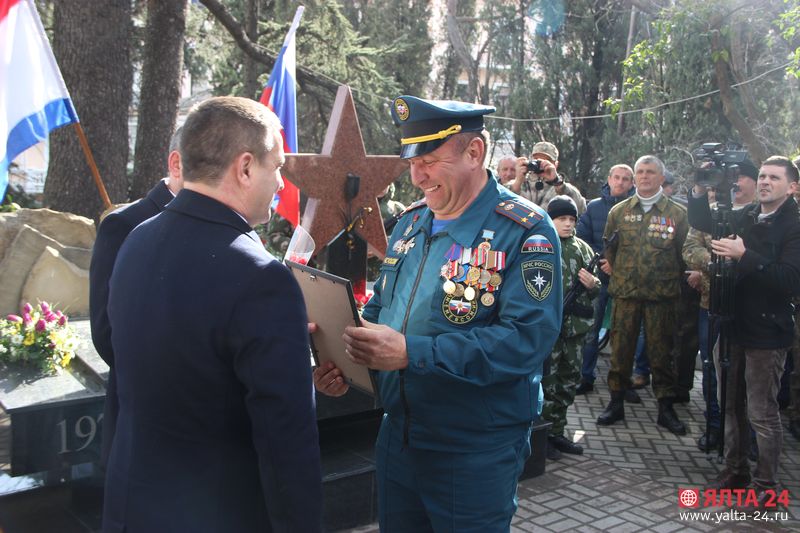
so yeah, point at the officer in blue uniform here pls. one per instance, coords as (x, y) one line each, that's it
(466, 309)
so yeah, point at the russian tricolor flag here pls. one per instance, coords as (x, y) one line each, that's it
(281, 97)
(33, 97)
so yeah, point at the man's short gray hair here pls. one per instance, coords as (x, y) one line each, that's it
(651, 160)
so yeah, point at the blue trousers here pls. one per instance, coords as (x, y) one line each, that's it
(437, 491)
(590, 348)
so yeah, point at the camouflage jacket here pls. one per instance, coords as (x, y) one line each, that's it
(646, 260)
(543, 197)
(696, 255)
(576, 254)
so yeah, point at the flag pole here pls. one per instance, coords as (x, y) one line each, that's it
(92, 165)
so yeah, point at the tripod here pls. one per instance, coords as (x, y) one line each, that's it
(720, 318)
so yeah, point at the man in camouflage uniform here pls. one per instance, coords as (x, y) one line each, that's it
(645, 268)
(565, 361)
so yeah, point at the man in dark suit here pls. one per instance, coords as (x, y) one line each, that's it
(217, 426)
(113, 230)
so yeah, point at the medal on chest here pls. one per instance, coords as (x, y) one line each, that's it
(471, 276)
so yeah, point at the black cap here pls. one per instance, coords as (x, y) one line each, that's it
(748, 168)
(426, 124)
(562, 205)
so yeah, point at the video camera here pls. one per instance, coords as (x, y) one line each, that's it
(723, 170)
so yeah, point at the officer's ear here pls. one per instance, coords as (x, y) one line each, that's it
(475, 150)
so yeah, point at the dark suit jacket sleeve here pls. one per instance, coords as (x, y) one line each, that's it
(781, 274)
(699, 213)
(110, 236)
(585, 231)
(272, 360)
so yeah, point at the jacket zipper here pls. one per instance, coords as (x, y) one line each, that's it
(406, 408)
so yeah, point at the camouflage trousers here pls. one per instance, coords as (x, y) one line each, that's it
(659, 326)
(560, 382)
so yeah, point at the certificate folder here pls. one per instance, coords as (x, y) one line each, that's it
(330, 304)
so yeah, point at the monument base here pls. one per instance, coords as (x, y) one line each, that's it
(536, 462)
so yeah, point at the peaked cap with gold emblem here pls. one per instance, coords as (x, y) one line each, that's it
(426, 124)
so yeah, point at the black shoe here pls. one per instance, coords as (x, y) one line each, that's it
(584, 387)
(668, 418)
(564, 445)
(631, 396)
(709, 441)
(729, 480)
(615, 410)
(552, 452)
(794, 428)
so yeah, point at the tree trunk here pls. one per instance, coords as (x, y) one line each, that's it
(252, 68)
(590, 129)
(461, 51)
(628, 48)
(758, 151)
(91, 42)
(160, 93)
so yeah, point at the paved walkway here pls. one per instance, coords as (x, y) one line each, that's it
(628, 478)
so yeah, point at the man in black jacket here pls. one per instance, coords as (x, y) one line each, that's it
(766, 248)
(112, 232)
(217, 427)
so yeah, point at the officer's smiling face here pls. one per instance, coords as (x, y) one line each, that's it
(445, 176)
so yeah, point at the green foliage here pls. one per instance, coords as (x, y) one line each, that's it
(789, 24)
(676, 64)
(574, 69)
(331, 47)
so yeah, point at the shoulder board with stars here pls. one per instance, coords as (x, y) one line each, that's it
(415, 205)
(520, 213)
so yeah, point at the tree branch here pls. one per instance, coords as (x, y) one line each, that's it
(235, 28)
(755, 146)
(460, 48)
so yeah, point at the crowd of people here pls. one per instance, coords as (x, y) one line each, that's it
(656, 260)
(484, 319)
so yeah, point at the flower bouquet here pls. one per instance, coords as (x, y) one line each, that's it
(40, 338)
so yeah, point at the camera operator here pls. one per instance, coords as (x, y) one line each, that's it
(537, 178)
(766, 248)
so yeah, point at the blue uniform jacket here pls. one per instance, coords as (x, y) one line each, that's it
(472, 380)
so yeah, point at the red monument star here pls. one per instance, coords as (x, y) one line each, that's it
(322, 177)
